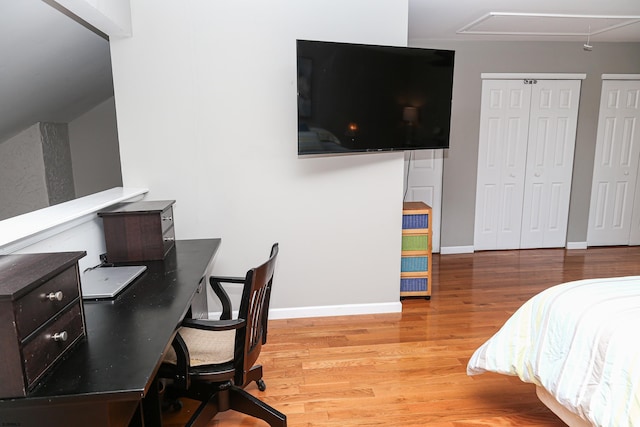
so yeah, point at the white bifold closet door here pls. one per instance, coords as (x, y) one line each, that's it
(614, 212)
(525, 163)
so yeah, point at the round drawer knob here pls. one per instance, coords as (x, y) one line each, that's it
(55, 296)
(60, 336)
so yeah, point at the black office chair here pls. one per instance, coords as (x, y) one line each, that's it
(212, 361)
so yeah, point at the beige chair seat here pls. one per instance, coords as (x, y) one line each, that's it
(205, 347)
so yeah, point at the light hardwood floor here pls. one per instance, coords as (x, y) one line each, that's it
(409, 369)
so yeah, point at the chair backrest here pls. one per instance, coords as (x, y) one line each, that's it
(254, 308)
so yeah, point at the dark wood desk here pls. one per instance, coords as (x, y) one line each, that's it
(105, 378)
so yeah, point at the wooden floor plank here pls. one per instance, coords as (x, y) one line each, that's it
(409, 369)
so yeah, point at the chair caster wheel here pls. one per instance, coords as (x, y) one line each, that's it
(172, 406)
(176, 406)
(261, 385)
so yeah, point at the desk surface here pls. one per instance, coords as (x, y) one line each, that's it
(127, 336)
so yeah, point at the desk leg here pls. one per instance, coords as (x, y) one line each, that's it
(136, 420)
(152, 406)
(149, 412)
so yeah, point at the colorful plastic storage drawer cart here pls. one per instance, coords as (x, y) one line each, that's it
(415, 271)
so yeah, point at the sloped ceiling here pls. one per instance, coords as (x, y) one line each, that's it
(51, 68)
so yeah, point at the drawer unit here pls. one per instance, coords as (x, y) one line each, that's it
(41, 316)
(415, 266)
(138, 231)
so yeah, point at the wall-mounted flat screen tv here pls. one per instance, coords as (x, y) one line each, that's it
(362, 98)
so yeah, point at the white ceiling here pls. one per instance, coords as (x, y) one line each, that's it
(53, 69)
(442, 19)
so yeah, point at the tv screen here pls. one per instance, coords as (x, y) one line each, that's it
(362, 98)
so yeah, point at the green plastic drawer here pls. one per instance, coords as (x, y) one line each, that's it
(415, 243)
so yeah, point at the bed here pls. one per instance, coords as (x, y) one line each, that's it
(578, 342)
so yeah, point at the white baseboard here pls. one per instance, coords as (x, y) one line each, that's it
(469, 249)
(444, 250)
(327, 310)
(576, 245)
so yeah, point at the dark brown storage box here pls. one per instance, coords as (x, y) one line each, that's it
(41, 316)
(138, 231)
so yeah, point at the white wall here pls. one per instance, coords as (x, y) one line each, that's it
(206, 103)
(93, 138)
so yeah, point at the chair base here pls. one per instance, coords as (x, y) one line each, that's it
(228, 396)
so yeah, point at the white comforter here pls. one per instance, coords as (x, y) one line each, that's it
(580, 341)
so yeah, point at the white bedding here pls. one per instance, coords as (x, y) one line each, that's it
(580, 341)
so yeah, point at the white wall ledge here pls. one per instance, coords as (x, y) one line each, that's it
(24, 230)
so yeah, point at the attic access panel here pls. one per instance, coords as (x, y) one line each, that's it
(545, 24)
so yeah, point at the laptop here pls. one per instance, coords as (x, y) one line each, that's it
(107, 282)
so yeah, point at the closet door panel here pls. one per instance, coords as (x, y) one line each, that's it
(549, 168)
(504, 126)
(614, 213)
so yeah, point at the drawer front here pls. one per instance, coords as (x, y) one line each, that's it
(44, 302)
(415, 221)
(415, 242)
(414, 284)
(411, 264)
(166, 218)
(43, 349)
